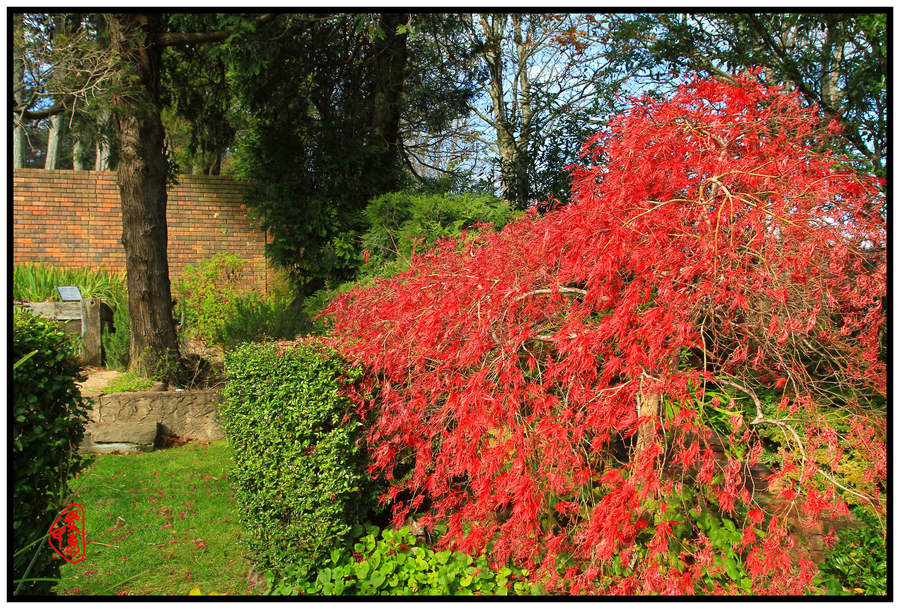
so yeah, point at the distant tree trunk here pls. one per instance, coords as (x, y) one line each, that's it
(53, 138)
(78, 153)
(521, 161)
(493, 26)
(390, 72)
(18, 93)
(142, 186)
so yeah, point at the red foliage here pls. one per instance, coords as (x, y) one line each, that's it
(544, 390)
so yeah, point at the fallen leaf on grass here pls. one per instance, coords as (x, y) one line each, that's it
(200, 545)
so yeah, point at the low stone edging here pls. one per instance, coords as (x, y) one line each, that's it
(187, 414)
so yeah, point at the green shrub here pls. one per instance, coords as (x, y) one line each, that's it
(117, 345)
(400, 221)
(394, 563)
(254, 318)
(48, 424)
(857, 563)
(215, 307)
(299, 464)
(205, 295)
(397, 221)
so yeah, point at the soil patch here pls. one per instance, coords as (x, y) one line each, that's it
(97, 380)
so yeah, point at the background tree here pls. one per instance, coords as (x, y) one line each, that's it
(125, 62)
(540, 69)
(837, 61)
(329, 106)
(200, 114)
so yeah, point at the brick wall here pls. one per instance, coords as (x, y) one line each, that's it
(73, 219)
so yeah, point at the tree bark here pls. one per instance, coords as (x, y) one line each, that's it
(390, 72)
(19, 98)
(493, 26)
(78, 153)
(649, 407)
(142, 188)
(53, 138)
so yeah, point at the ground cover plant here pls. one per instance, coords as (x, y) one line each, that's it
(644, 391)
(395, 562)
(49, 415)
(160, 523)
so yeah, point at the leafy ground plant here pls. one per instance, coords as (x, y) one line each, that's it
(857, 563)
(395, 563)
(160, 523)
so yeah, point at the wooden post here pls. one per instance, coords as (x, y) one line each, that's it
(90, 331)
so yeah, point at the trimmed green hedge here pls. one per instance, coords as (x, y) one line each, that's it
(299, 461)
(49, 415)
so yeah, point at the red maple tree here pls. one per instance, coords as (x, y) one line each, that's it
(585, 391)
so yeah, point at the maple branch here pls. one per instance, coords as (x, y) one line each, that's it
(759, 413)
(561, 290)
(760, 419)
(168, 39)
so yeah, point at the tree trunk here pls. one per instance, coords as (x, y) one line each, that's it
(142, 188)
(18, 94)
(53, 138)
(78, 153)
(390, 72)
(493, 26)
(649, 407)
(831, 70)
(521, 161)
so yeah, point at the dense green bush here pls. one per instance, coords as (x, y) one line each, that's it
(48, 425)
(395, 563)
(399, 223)
(401, 220)
(299, 462)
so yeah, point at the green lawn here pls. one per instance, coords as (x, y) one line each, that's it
(160, 523)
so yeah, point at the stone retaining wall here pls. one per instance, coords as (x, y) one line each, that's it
(188, 414)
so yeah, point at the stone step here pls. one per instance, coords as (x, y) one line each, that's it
(119, 437)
